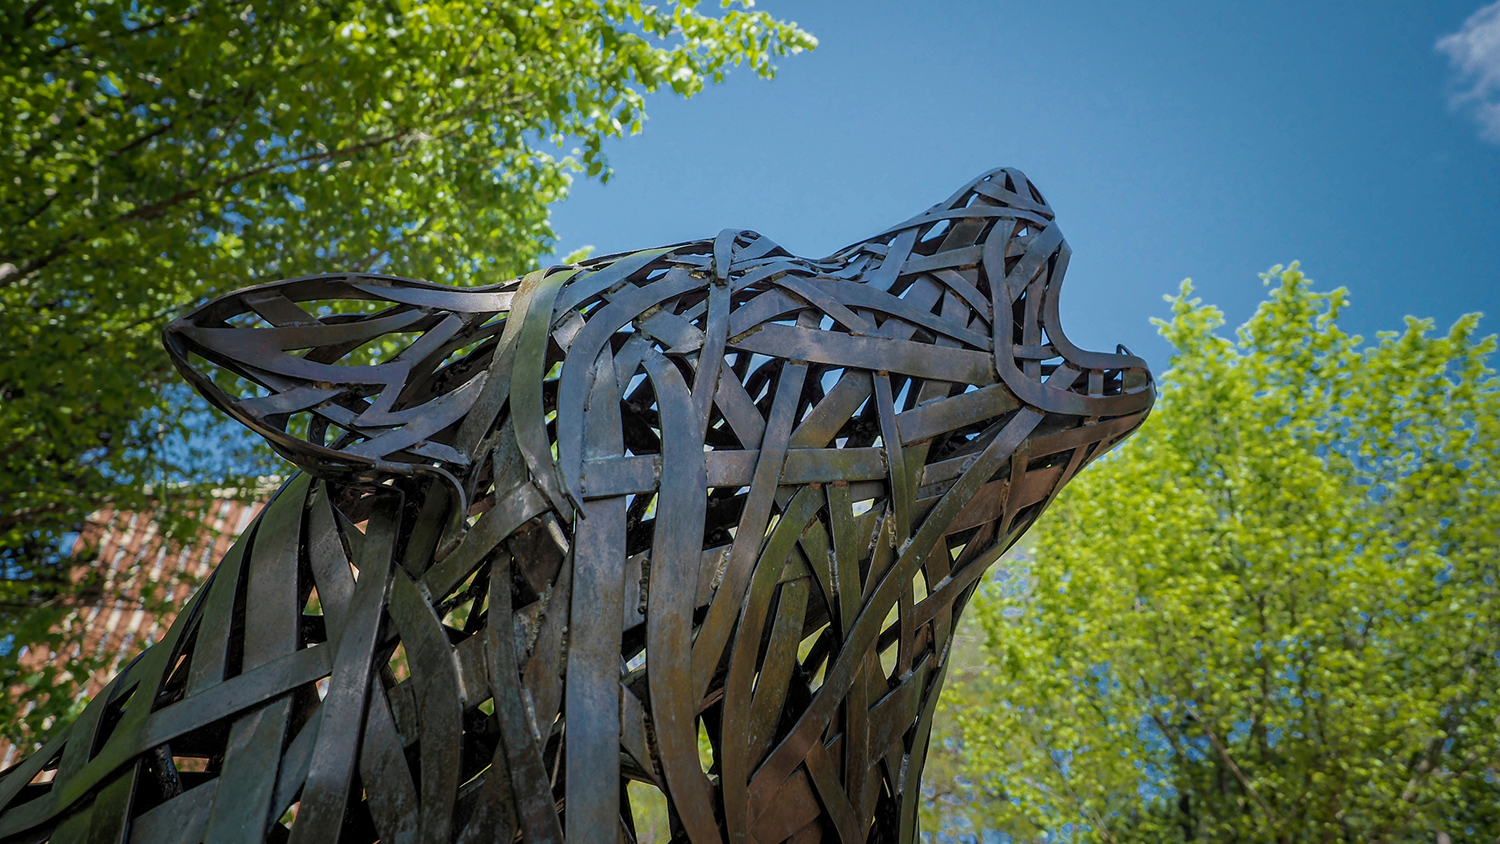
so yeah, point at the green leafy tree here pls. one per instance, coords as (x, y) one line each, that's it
(1272, 616)
(159, 153)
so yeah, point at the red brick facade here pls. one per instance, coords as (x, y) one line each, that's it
(132, 556)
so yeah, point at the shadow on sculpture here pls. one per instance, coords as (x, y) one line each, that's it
(701, 517)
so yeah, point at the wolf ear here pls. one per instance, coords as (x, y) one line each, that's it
(350, 377)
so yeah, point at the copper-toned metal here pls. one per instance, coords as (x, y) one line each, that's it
(701, 517)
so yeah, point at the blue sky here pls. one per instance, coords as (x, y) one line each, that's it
(1174, 139)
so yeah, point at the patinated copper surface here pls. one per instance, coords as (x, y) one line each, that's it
(701, 517)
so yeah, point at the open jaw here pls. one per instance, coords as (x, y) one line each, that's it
(700, 517)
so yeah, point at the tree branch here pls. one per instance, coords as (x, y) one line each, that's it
(30, 267)
(34, 11)
(1235, 769)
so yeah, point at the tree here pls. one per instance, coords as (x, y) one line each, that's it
(161, 153)
(1273, 615)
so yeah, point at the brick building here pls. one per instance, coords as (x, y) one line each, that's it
(132, 555)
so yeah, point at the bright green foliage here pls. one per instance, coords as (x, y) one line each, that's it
(159, 153)
(1272, 615)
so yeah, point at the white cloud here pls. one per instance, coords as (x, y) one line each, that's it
(1474, 51)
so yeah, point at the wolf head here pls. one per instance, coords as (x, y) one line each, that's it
(365, 377)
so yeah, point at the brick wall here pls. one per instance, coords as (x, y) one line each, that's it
(132, 556)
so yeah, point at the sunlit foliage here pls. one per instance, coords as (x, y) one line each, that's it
(159, 153)
(1271, 616)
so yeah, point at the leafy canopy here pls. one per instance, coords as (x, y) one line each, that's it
(160, 153)
(1272, 615)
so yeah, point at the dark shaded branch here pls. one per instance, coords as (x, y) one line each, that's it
(1235, 769)
(34, 11)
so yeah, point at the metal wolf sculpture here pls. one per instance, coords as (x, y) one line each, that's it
(701, 517)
